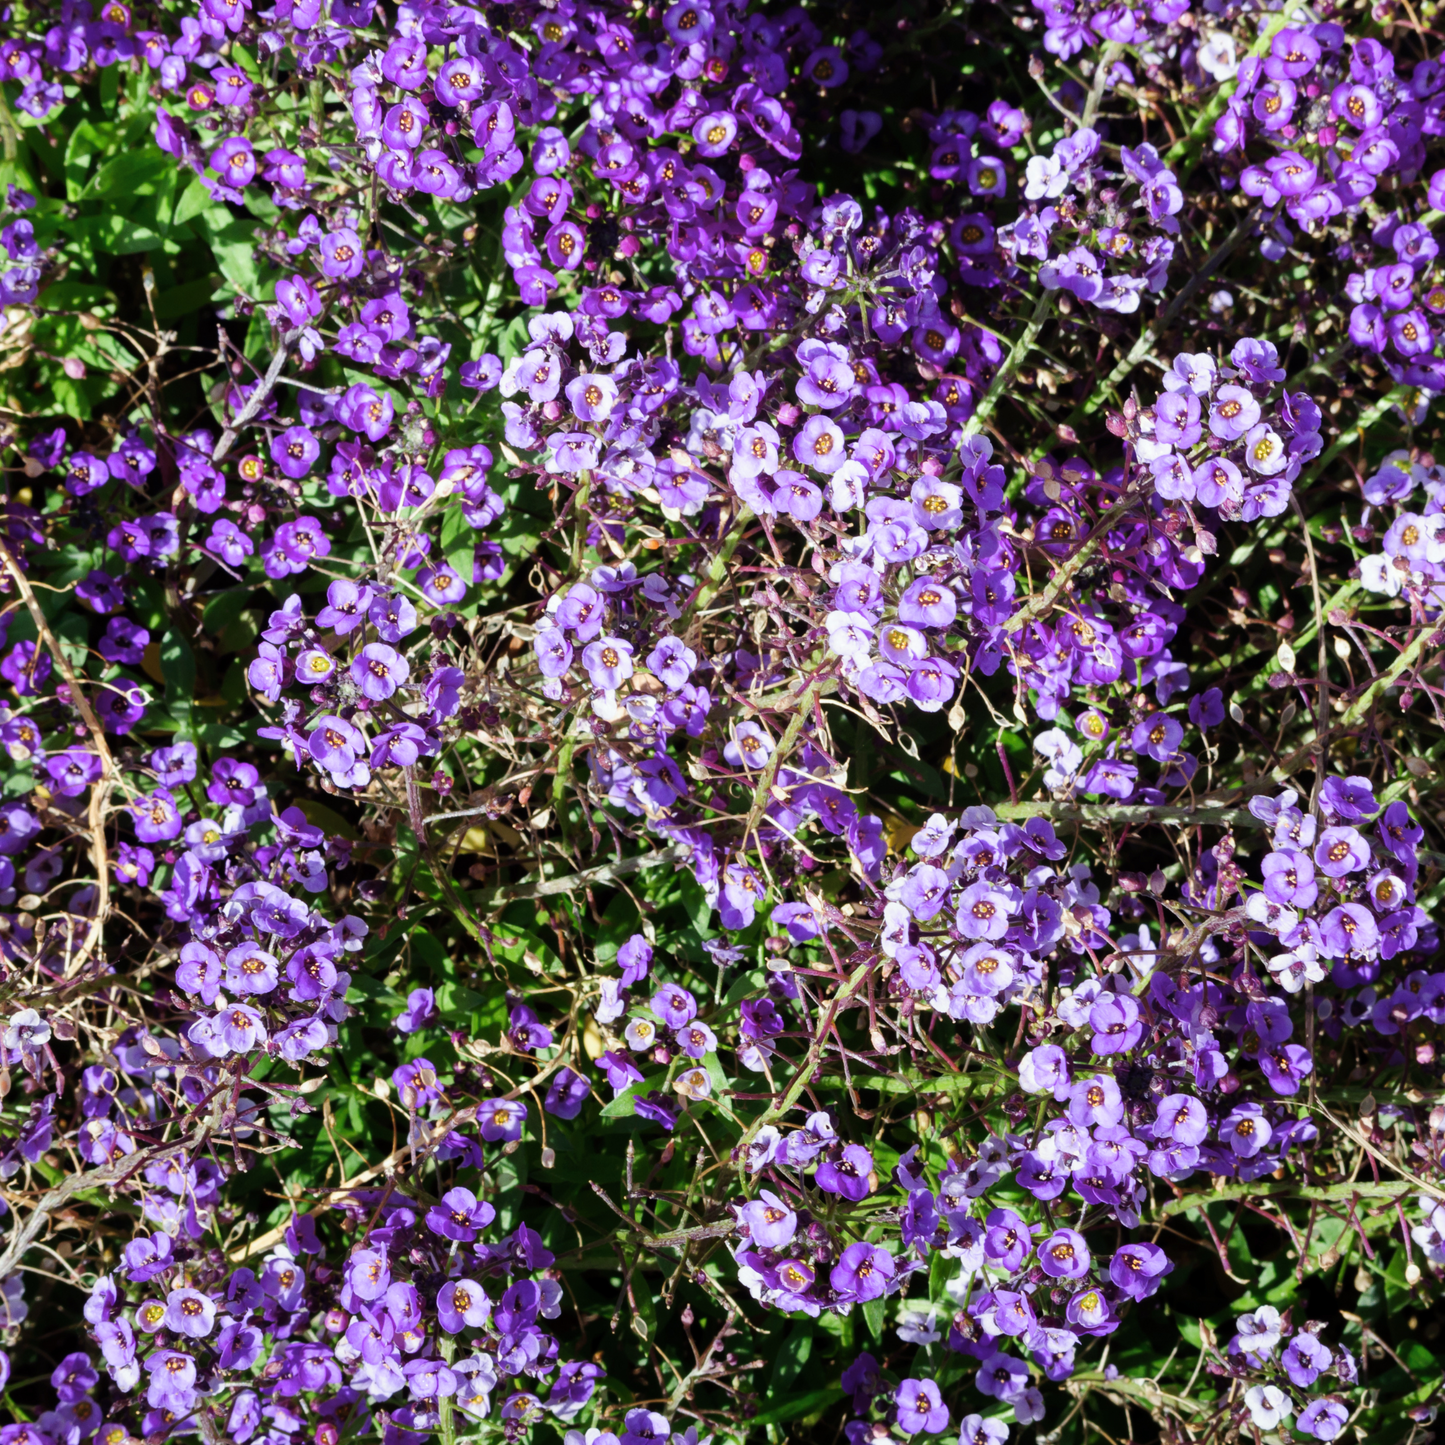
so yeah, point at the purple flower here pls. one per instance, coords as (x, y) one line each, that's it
(827, 380)
(1399, 833)
(1045, 1070)
(566, 1094)
(1258, 360)
(379, 670)
(862, 1272)
(987, 176)
(608, 662)
(1007, 1239)
(1158, 736)
(819, 444)
(1064, 1255)
(655, 1108)
(1002, 1377)
(1089, 1312)
(1111, 779)
(462, 1303)
(1176, 418)
(1264, 451)
(295, 451)
(363, 410)
(645, 1427)
(1348, 930)
(714, 133)
(672, 661)
(927, 603)
(1341, 851)
(368, 1274)
(460, 1215)
(335, 744)
(421, 1010)
(1323, 1419)
(847, 1176)
(1246, 1131)
(234, 161)
(501, 1120)
(190, 1313)
(921, 1408)
(85, 474)
(1305, 1359)
(983, 912)
(975, 1430)
(483, 374)
(1096, 1101)
(770, 1223)
(249, 971)
(429, 1379)
(71, 772)
(1136, 1269)
(1116, 1023)
(923, 891)
(1349, 799)
(1289, 878)
(674, 1005)
(1182, 1119)
(554, 652)
(342, 255)
(173, 1376)
(751, 747)
(1284, 1066)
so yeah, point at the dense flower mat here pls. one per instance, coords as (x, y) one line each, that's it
(722, 721)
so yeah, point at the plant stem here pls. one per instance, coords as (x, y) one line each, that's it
(1004, 376)
(803, 711)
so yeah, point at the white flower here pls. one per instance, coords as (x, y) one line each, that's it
(915, 1322)
(1293, 970)
(849, 635)
(1218, 57)
(1268, 1405)
(1062, 753)
(1044, 176)
(26, 1030)
(1258, 1333)
(1379, 574)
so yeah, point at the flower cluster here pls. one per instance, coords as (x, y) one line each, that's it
(638, 595)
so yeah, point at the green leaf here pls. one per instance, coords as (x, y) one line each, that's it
(178, 666)
(222, 608)
(194, 201)
(624, 1106)
(795, 1352)
(187, 299)
(455, 999)
(873, 1317)
(813, 1402)
(121, 236)
(86, 143)
(232, 244)
(136, 173)
(720, 1081)
(459, 540)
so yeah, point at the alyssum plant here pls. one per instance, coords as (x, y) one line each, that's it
(766, 669)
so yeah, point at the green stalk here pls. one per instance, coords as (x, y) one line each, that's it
(447, 1348)
(717, 573)
(1003, 378)
(803, 710)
